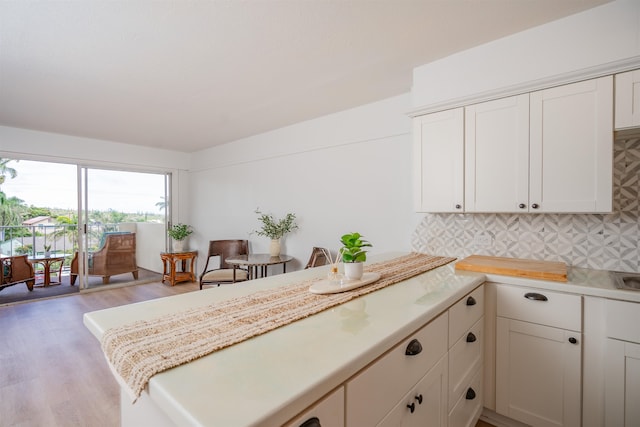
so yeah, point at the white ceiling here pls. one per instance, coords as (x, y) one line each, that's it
(187, 75)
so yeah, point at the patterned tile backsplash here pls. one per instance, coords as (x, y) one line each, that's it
(598, 241)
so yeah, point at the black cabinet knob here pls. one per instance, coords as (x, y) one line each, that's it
(419, 399)
(522, 206)
(572, 340)
(471, 301)
(471, 394)
(311, 422)
(535, 206)
(412, 407)
(471, 337)
(413, 348)
(458, 206)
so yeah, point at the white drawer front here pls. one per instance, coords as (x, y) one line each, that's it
(465, 358)
(425, 404)
(375, 390)
(469, 405)
(623, 320)
(329, 411)
(465, 313)
(540, 306)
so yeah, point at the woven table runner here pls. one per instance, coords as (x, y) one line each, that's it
(138, 351)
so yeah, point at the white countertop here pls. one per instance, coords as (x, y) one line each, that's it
(583, 281)
(270, 378)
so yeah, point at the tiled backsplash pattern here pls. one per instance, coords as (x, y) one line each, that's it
(606, 242)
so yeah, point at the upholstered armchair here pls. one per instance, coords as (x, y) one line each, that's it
(17, 269)
(117, 255)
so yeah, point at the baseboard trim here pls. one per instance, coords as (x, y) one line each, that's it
(497, 420)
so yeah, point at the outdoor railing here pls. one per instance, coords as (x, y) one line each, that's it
(61, 238)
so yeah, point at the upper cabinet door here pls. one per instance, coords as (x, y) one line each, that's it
(439, 161)
(628, 100)
(571, 148)
(497, 155)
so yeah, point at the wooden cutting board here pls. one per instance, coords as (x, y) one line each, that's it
(531, 269)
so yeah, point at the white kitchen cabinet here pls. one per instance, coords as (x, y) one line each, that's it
(376, 390)
(571, 148)
(329, 411)
(538, 356)
(411, 384)
(439, 161)
(466, 350)
(627, 100)
(497, 155)
(546, 151)
(425, 404)
(622, 364)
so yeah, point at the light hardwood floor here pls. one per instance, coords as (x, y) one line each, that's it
(52, 371)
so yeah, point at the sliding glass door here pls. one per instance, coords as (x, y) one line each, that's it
(122, 220)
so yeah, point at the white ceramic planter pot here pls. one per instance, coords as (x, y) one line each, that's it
(353, 270)
(274, 247)
(179, 245)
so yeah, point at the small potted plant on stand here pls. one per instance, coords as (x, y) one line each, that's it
(179, 233)
(353, 255)
(47, 251)
(275, 229)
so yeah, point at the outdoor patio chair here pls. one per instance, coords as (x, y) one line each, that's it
(116, 256)
(17, 269)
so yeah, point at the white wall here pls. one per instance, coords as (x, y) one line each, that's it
(608, 34)
(349, 171)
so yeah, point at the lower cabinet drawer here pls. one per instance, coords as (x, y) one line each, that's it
(425, 404)
(465, 359)
(465, 313)
(540, 306)
(622, 320)
(329, 411)
(468, 406)
(373, 392)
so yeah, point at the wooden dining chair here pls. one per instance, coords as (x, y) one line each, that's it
(220, 272)
(318, 257)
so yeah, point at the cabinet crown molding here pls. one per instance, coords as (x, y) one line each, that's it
(601, 70)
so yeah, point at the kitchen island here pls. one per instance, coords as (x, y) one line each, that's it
(269, 379)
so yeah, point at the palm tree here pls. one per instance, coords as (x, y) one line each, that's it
(12, 210)
(162, 205)
(69, 229)
(6, 170)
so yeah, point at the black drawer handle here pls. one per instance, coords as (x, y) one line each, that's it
(311, 422)
(572, 340)
(471, 337)
(419, 399)
(471, 301)
(412, 407)
(413, 348)
(533, 296)
(471, 394)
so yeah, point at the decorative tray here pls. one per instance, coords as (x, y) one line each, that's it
(326, 286)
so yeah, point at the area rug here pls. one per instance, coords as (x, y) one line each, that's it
(19, 293)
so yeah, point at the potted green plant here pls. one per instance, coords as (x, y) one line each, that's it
(47, 250)
(179, 233)
(275, 229)
(353, 254)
